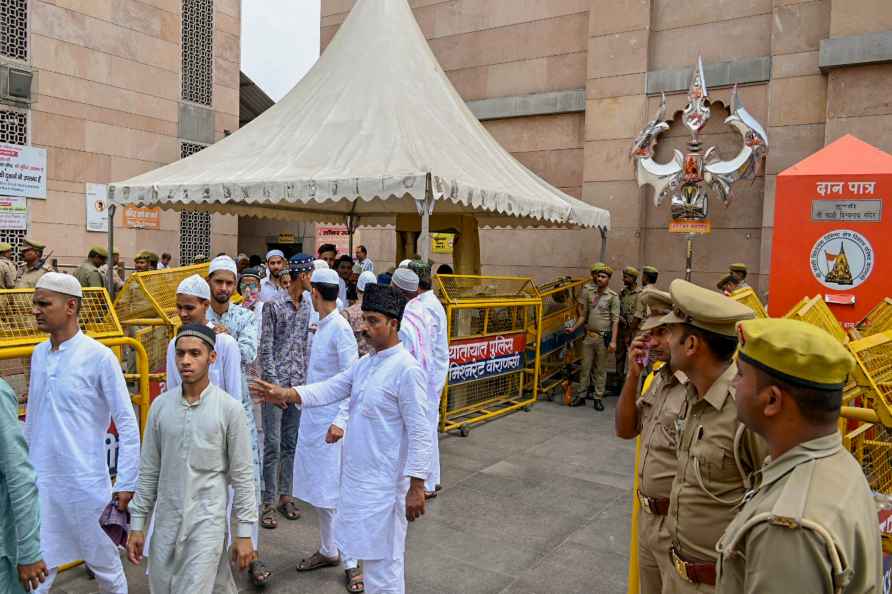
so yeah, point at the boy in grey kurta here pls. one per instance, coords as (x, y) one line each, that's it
(196, 442)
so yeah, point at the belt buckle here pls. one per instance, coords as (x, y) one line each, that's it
(681, 567)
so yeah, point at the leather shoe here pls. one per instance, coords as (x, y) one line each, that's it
(599, 406)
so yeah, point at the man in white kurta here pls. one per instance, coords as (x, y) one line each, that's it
(438, 367)
(387, 444)
(193, 448)
(76, 390)
(317, 464)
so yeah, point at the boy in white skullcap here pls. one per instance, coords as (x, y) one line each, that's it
(270, 287)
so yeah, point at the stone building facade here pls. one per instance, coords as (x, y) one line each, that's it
(120, 87)
(565, 85)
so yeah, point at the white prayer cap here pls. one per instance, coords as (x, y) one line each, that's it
(405, 279)
(243, 257)
(404, 264)
(320, 265)
(274, 253)
(60, 283)
(326, 276)
(365, 278)
(223, 263)
(195, 286)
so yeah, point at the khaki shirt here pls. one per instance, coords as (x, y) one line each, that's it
(707, 469)
(8, 274)
(658, 410)
(28, 277)
(628, 304)
(89, 276)
(602, 309)
(820, 482)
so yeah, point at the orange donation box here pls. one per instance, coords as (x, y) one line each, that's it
(831, 230)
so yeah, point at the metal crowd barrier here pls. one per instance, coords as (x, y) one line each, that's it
(560, 353)
(494, 344)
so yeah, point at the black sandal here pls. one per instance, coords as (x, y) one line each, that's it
(354, 583)
(260, 575)
(289, 510)
(268, 517)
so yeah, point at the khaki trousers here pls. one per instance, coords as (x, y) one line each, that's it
(654, 561)
(594, 362)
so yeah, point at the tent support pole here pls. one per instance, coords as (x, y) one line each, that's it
(603, 256)
(110, 273)
(352, 223)
(425, 207)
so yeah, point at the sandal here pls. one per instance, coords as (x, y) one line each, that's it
(260, 575)
(354, 581)
(318, 560)
(289, 510)
(268, 517)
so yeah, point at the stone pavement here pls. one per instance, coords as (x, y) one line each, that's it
(534, 502)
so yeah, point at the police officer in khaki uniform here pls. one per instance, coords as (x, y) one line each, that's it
(652, 416)
(599, 311)
(8, 272)
(88, 274)
(145, 260)
(811, 525)
(34, 267)
(629, 318)
(739, 272)
(717, 455)
(649, 276)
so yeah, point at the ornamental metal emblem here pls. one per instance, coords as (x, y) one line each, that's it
(689, 179)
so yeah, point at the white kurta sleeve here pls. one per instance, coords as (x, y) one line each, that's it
(241, 472)
(348, 351)
(34, 396)
(149, 471)
(335, 388)
(117, 397)
(231, 360)
(413, 402)
(173, 375)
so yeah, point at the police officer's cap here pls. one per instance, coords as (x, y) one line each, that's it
(650, 270)
(658, 304)
(4, 247)
(631, 271)
(737, 267)
(31, 244)
(602, 267)
(705, 309)
(795, 352)
(99, 251)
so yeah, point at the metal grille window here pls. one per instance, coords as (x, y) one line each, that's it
(14, 29)
(195, 226)
(198, 51)
(13, 126)
(14, 238)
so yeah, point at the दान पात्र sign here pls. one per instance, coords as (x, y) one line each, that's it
(479, 358)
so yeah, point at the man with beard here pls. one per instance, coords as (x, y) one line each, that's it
(270, 287)
(652, 416)
(76, 389)
(387, 445)
(196, 442)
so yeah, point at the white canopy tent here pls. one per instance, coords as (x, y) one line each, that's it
(373, 131)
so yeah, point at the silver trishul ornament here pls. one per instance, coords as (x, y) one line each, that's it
(691, 178)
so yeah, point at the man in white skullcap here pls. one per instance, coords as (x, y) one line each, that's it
(193, 302)
(76, 390)
(270, 288)
(317, 460)
(418, 335)
(241, 324)
(404, 264)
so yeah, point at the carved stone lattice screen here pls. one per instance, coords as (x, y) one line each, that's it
(14, 29)
(195, 226)
(198, 51)
(13, 126)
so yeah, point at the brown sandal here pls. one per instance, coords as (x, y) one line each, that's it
(318, 560)
(354, 582)
(260, 575)
(268, 517)
(289, 510)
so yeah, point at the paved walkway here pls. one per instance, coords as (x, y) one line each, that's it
(534, 502)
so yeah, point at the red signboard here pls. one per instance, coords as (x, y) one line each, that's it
(479, 358)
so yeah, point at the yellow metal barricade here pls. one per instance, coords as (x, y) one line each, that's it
(559, 352)
(749, 298)
(878, 320)
(815, 311)
(494, 340)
